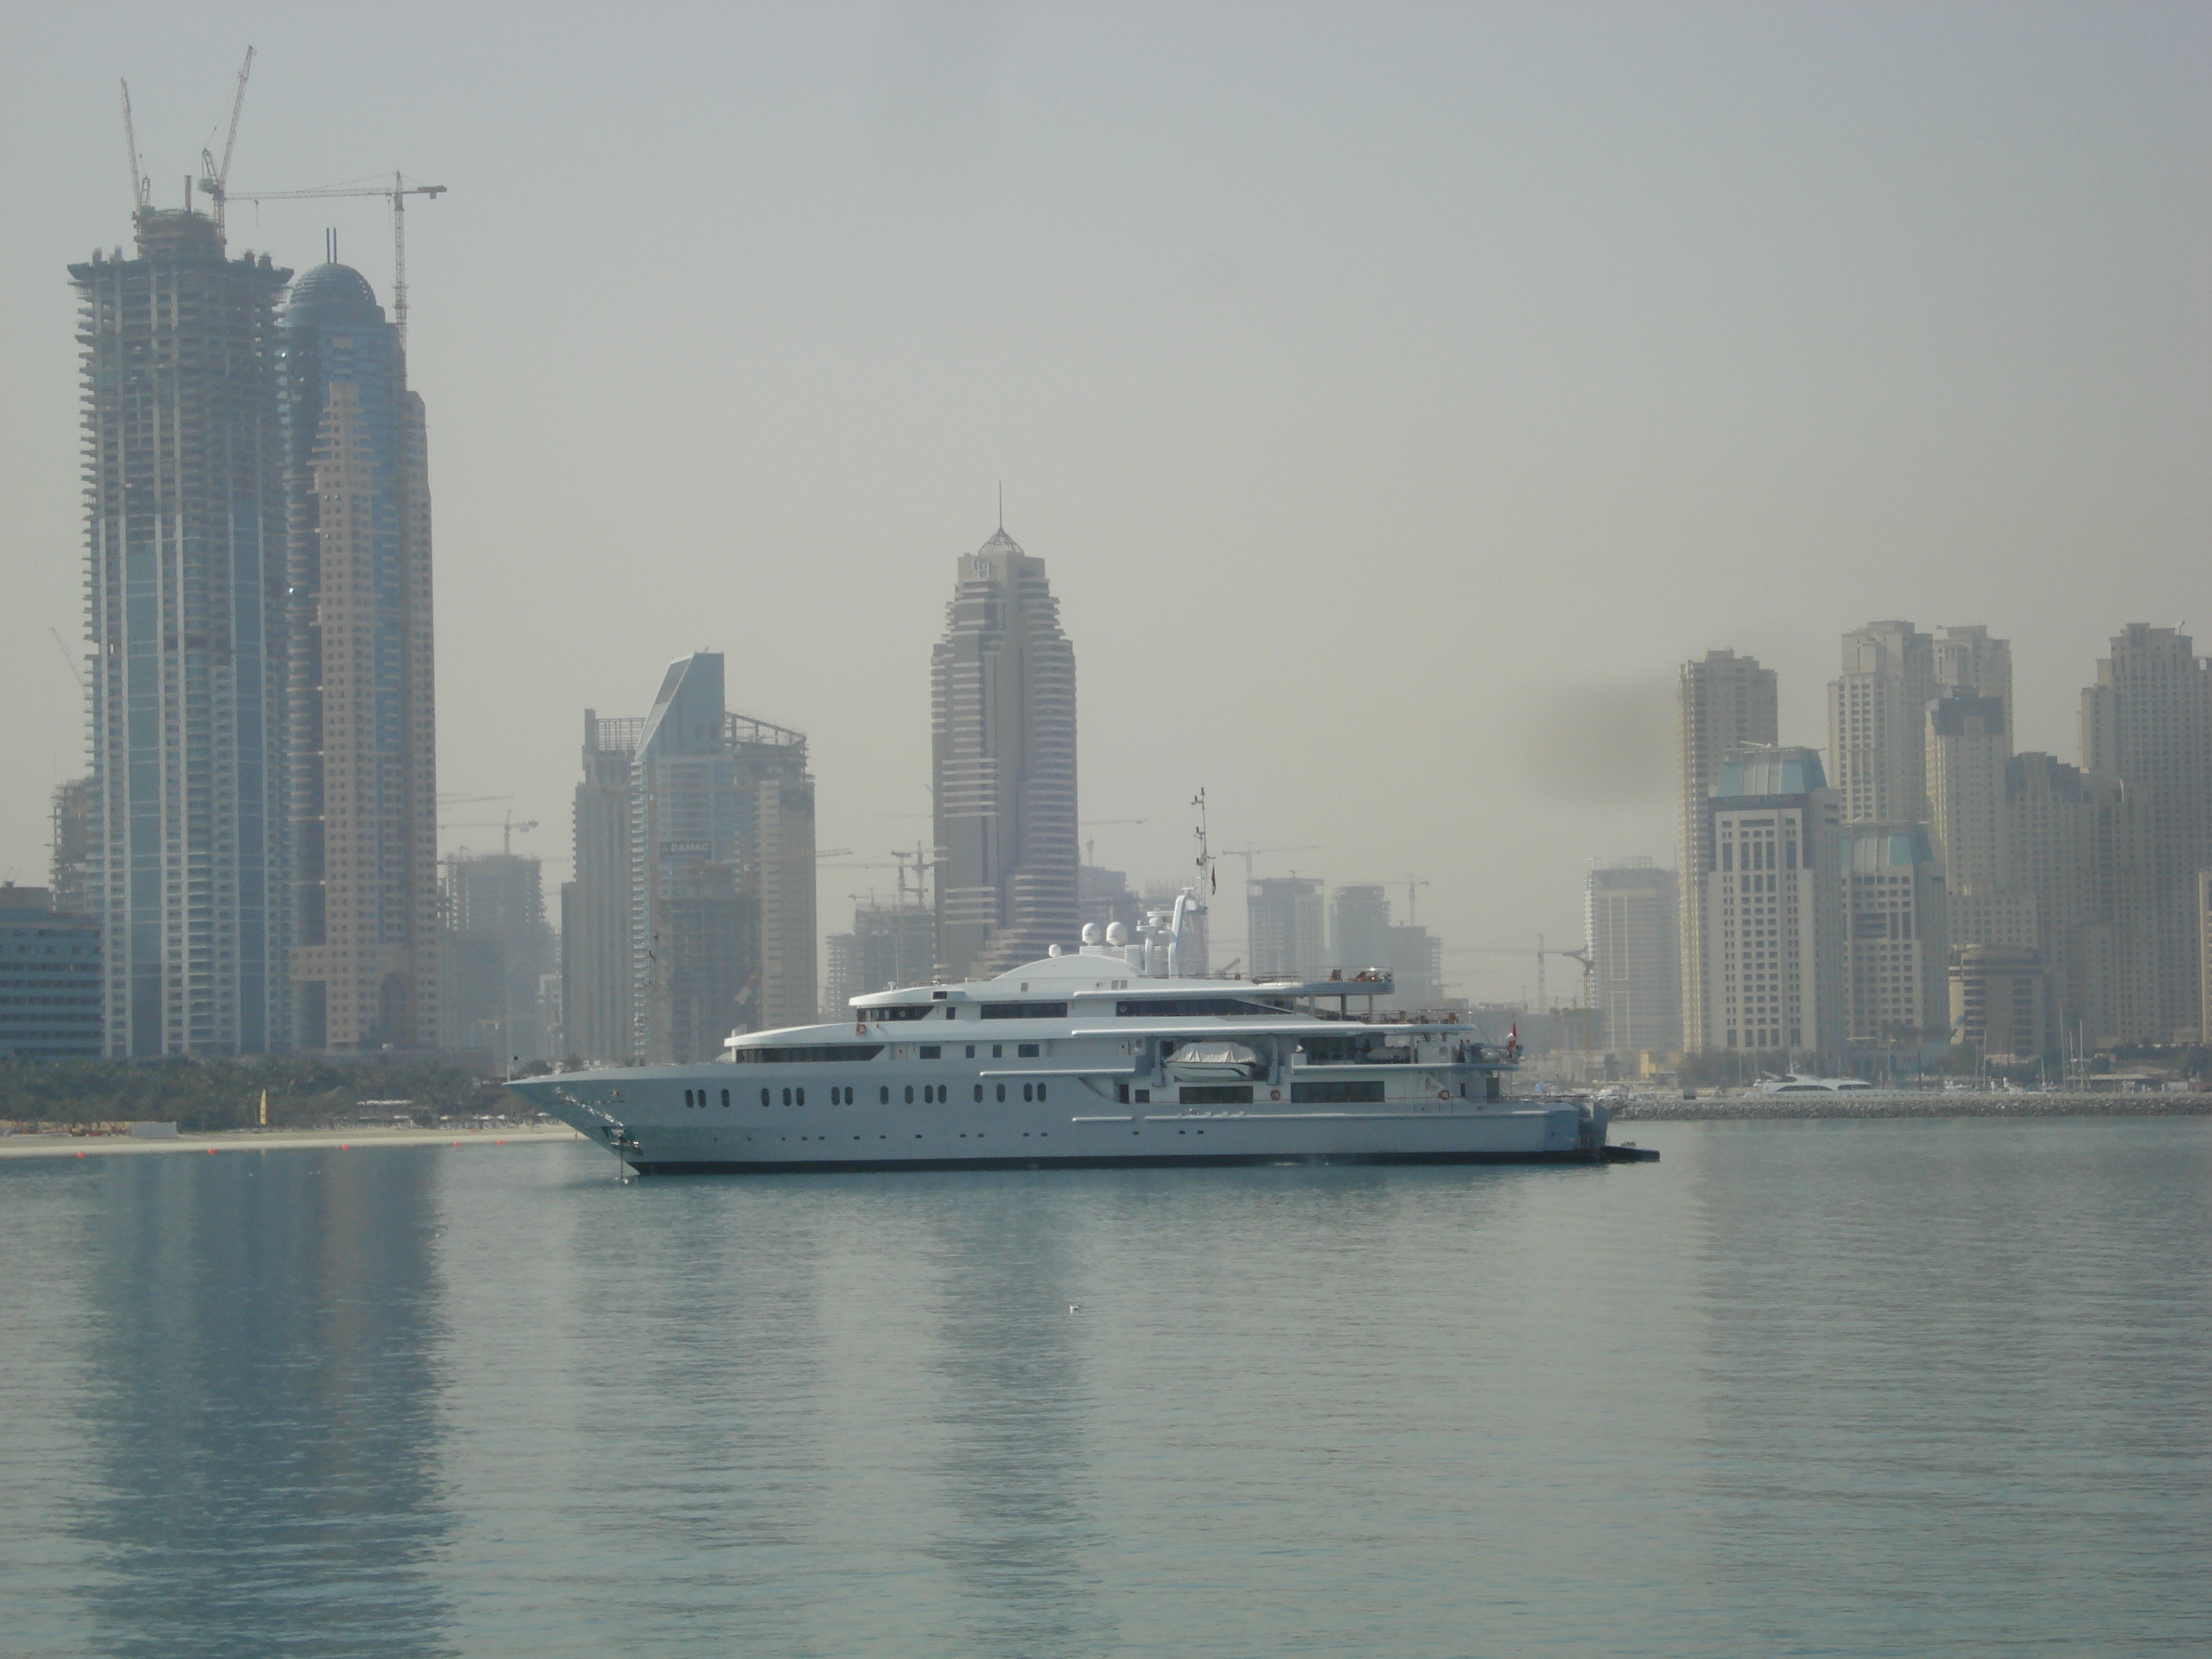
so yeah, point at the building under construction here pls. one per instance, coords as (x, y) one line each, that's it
(692, 912)
(184, 580)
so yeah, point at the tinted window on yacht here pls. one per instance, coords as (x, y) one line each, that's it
(1217, 1094)
(1339, 1094)
(1025, 1010)
(898, 1011)
(821, 1052)
(1188, 1007)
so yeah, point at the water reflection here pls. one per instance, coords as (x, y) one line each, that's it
(1016, 1473)
(1948, 1353)
(261, 1407)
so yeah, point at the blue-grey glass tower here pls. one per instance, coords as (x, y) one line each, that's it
(185, 574)
(364, 768)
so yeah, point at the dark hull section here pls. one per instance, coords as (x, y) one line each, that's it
(879, 1166)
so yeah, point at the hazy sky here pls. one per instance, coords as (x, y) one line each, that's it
(1397, 393)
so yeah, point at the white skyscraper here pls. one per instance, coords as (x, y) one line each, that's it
(1773, 933)
(1876, 710)
(1723, 703)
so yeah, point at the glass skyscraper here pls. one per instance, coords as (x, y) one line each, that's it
(363, 800)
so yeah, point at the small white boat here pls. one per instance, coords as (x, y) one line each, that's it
(1800, 1082)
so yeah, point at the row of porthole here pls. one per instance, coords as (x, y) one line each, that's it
(932, 1094)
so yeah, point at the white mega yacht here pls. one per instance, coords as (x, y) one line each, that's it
(1101, 1055)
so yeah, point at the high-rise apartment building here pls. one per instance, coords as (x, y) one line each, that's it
(1723, 703)
(1774, 974)
(364, 803)
(891, 945)
(692, 912)
(1997, 1001)
(185, 575)
(2204, 944)
(2119, 931)
(75, 825)
(1002, 699)
(1968, 752)
(2147, 720)
(1896, 943)
(1631, 913)
(2081, 852)
(1283, 920)
(1877, 708)
(496, 957)
(1968, 659)
(596, 1000)
(1359, 926)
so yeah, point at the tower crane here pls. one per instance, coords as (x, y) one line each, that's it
(1248, 854)
(396, 192)
(507, 827)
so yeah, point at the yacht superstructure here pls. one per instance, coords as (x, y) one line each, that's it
(1103, 1055)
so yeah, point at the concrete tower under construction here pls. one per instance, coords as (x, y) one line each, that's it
(364, 765)
(1002, 700)
(184, 580)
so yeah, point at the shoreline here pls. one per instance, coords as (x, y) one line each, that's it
(266, 1140)
(1752, 1109)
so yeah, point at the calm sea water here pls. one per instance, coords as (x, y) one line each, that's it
(1932, 1388)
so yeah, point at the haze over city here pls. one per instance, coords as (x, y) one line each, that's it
(1397, 396)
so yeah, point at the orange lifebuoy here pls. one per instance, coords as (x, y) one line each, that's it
(860, 1029)
(1443, 1094)
(1274, 1094)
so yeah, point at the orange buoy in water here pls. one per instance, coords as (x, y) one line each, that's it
(343, 1147)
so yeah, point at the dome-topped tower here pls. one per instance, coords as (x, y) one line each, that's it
(331, 294)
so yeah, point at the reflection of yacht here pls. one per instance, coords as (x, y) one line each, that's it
(1102, 1056)
(1797, 1082)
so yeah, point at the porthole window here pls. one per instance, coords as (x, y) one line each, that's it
(802, 1096)
(909, 1094)
(764, 1097)
(1039, 1091)
(726, 1099)
(1002, 1091)
(979, 1094)
(1025, 1092)
(787, 1097)
(884, 1095)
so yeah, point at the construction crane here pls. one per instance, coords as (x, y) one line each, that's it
(396, 193)
(1090, 846)
(137, 166)
(1412, 887)
(1578, 953)
(214, 180)
(507, 827)
(1248, 854)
